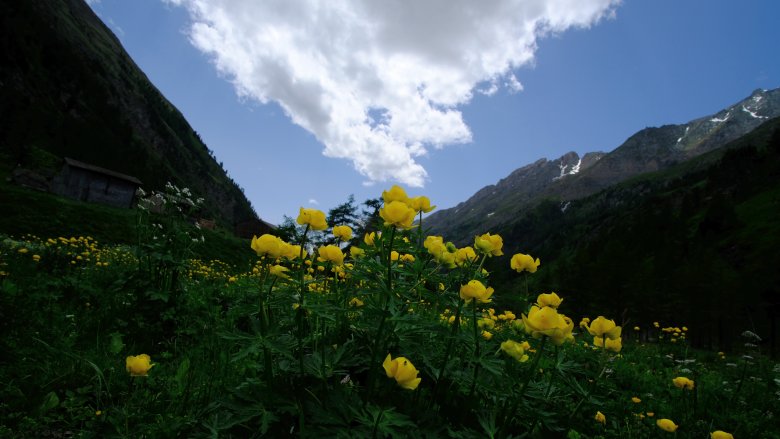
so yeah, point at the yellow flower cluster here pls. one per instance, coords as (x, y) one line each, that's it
(275, 248)
(605, 334)
(546, 321)
(399, 210)
(516, 350)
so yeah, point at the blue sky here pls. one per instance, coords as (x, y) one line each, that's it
(444, 92)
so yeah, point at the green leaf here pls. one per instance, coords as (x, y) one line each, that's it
(50, 401)
(115, 345)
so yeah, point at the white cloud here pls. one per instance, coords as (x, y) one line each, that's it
(379, 82)
(313, 201)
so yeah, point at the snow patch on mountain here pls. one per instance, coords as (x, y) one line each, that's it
(574, 169)
(725, 118)
(752, 113)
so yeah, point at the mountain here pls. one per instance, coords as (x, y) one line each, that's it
(69, 89)
(694, 244)
(571, 177)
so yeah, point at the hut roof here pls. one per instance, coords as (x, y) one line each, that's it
(99, 170)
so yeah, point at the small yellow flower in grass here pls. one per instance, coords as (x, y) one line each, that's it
(683, 383)
(551, 300)
(666, 425)
(719, 434)
(521, 263)
(356, 252)
(314, 218)
(488, 244)
(98, 412)
(406, 257)
(650, 414)
(636, 328)
(421, 204)
(396, 193)
(611, 345)
(278, 271)
(475, 290)
(516, 350)
(635, 400)
(23, 250)
(601, 327)
(37, 258)
(232, 279)
(138, 365)
(600, 418)
(343, 233)
(656, 324)
(330, 253)
(357, 303)
(403, 371)
(398, 214)
(487, 335)
(394, 255)
(547, 321)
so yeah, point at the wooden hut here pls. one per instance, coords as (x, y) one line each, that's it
(94, 184)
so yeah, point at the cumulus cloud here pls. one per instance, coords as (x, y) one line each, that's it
(379, 82)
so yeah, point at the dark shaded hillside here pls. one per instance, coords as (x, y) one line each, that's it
(695, 245)
(68, 88)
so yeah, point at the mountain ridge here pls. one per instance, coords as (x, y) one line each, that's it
(648, 150)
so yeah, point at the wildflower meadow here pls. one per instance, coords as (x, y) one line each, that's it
(389, 332)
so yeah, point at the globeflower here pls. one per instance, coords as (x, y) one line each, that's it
(278, 271)
(614, 345)
(313, 218)
(356, 252)
(464, 255)
(600, 418)
(344, 233)
(552, 300)
(330, 253)
(268, 245)
(403, 371)
(521, 262)
(368, 238)
(721, 435)
(396, 193)
(683, 383)
(666, 425)
(515, 350)
(489, 244)
(398, 214)
(601, 327)
(421, 204)
(547, 321)
(138, 365)
(475, 290)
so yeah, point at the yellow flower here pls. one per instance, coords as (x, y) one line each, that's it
(98, 412)
(719, 434)
(475, 290)
(312, 217)
(552, 300)
(268, 245)
(406, 257)
(36, 258)
(291, 252)
(278, 271)
(601, 327)
(232, 279)
(397, 213)
(138, 365)
(23, 250)
(656, 324)
(394, 255)
(666, 425)
(435, 245)
(464, 255)
(584, 322)
(635, 400)
(521, 262)
(614, 345)
(489, 244)
(396, 193)
(331, 253)
(357, 303)
(344, 233)
(369, 238)
(516, 350)
(636, 328)
(683, 383)
(403, 371)
(356, 252)
(547, 321)
(600, 418)
(650, 414)
(487, 335)
(421, 204)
